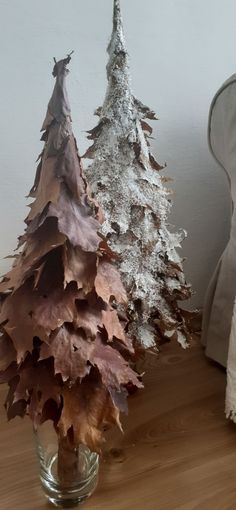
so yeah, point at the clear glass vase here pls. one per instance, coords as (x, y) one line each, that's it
(68, 475)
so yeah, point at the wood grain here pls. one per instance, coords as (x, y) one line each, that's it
(178, 452)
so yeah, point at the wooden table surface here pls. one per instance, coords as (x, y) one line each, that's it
(178, 452)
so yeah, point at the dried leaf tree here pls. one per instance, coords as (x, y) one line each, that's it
(63, 349)
(125, 177)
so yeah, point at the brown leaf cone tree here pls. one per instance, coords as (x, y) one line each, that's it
(126, 180)
(63, 348)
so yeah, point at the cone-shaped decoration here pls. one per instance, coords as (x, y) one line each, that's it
(117, 21)
(126, 179)
(117, 42)
(62, 341)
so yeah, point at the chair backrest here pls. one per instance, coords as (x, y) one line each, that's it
(222, 130)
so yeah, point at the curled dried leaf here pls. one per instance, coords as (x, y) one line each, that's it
(88, 408)
(38, 245)
(48, 188)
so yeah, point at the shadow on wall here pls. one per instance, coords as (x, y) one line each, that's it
(201, 201)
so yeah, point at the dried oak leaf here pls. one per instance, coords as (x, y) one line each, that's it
(51, 310)
(192, 319)
(112, 325)
(7, 375)
(58, 106)
(89, 316)
(155, 164)
(105, 250)
(113, 368)
(34, 188)
(108, 282)
(74, 354)
(146, 127)
(48, 189)
(70, 170)
(37, 272)
(80, 267)
(88, 408)
(18, 408)
(147, 113)
(57, 137)
(75, 221)
(29, 313)
(90, 152)
(7, 352)
(39, 244)
(95, 132)
(71, 353)
(30, 387)
(17, 321)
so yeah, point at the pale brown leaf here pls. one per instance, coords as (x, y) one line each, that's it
(112, 325)
(108, 282)
(88, 408)
(79, 267)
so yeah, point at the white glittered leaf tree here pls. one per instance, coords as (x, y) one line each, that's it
(126, 180)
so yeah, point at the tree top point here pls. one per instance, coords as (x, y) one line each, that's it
(117, 18)
(61, 66)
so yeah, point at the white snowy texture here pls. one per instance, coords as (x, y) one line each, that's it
(126, 181)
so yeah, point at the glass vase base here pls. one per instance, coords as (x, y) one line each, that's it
(76, 494)
(68, 498)
(67, 503)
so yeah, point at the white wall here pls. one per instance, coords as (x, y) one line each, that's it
(181, 52)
